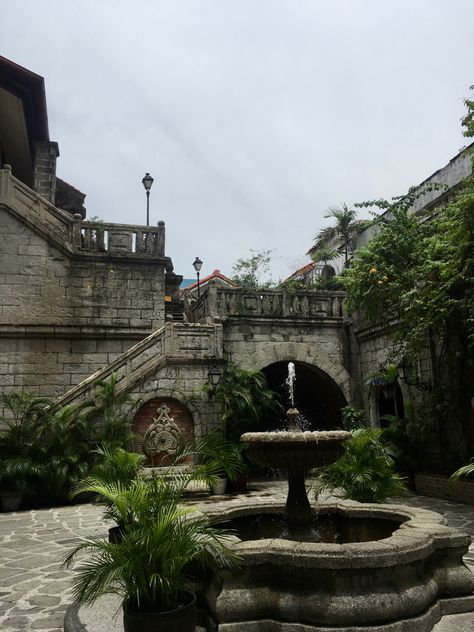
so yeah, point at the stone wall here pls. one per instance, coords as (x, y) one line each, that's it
(63, 317)
(258, 344)
(461, 491)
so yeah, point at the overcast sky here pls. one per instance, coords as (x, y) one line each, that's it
(253, 116)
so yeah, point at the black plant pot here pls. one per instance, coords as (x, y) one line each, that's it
(182, 619)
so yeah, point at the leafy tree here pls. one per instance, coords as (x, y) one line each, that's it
(467, 120)
(416, 278)
(249, 273)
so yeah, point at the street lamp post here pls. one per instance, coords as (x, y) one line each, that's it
(147, 182)
(197, 265)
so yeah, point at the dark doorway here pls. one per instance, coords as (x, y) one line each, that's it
(389, 402)
(317, 396)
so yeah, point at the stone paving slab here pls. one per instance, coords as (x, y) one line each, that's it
(35, 592)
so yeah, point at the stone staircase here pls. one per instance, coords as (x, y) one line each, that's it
(174, 342)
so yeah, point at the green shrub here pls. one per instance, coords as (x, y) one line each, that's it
(365, 472)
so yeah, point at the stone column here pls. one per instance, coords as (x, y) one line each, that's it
(46, 153)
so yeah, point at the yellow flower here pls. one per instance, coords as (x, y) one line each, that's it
(372, 270)
(380, 282)
(385, 277)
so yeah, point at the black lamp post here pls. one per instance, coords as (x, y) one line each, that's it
(197, 265)
(147, 182)
(214, 376)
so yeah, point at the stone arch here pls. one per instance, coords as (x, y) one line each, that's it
(270, 353)
(316, 396)
(166, 418)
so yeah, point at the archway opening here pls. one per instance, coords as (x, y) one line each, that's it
(318, 398)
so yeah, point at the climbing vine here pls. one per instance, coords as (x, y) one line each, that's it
(416, 279)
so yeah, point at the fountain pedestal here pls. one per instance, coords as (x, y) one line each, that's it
(296, 452)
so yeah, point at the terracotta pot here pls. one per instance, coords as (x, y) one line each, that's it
(182, 619)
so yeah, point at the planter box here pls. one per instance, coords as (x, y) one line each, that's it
(440, 486)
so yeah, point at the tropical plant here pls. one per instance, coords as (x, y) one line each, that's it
(346, 228)
(116, 470)
(365, 472)
(150, 566)
(222, 457)
(324, 253)
(352, 418)
(18, 473)
(245, 399)
(465, 470)
(20, 428)
(64, 448)
(111, 410)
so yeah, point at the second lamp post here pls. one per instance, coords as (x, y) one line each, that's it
(197, 265)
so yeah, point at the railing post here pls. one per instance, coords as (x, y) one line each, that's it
(76, 230)
(160, 239)
(212, 300)
(5, 180)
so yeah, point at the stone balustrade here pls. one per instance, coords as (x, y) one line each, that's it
(72, 233)
(118, 238)
(231, 303)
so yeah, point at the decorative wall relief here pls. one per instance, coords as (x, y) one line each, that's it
(163, 435)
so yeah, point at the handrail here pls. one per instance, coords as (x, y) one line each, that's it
(173, 341)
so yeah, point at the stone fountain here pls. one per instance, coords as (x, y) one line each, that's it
(384, 568)
(296, 452)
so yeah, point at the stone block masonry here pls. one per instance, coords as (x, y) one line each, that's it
(67, 312)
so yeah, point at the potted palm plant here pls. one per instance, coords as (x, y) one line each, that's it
(149, 568)
(117, 470)
(222, 459)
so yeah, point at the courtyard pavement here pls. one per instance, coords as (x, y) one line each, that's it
(35, 591)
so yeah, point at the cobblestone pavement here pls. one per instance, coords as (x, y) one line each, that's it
(35, 591)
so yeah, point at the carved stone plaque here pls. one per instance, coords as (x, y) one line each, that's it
(163, 436)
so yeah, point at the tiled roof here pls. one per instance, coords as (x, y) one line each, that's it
(217, 274)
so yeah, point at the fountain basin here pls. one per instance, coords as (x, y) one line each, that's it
(398, 582)
(295, 450)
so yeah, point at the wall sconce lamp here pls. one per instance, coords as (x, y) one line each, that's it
(214, 376)
(409, 374)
